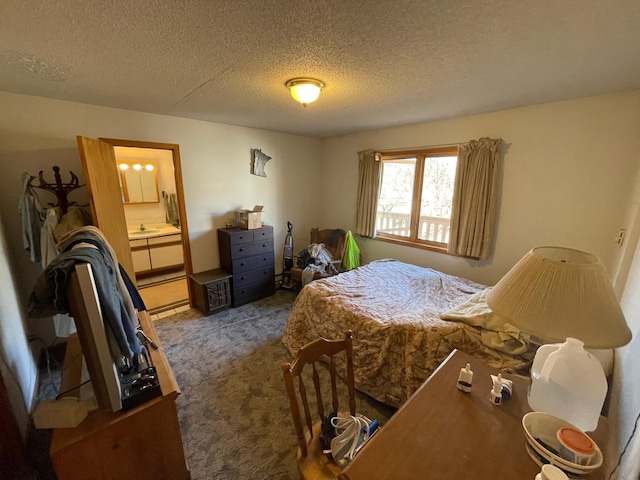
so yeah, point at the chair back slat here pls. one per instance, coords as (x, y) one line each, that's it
(318, 388)
(334, 385)
(295, 409)
(350, 378)
(305, 404)
(309, 354)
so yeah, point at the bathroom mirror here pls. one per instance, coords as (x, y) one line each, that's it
(138, 182)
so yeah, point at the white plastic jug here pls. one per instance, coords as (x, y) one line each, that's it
(568, 382)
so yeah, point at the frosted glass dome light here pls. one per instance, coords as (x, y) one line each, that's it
(305, 90)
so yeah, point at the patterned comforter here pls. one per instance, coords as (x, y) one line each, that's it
(393, 309)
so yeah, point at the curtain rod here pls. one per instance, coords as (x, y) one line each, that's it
(410, 149)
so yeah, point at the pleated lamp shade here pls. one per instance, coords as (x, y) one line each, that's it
(555, 293)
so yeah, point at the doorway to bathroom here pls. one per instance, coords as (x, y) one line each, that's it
(142, 215)
(149, 196)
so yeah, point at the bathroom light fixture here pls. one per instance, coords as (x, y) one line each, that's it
(305, 90)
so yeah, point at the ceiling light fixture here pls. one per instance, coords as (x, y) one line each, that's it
(305, 90)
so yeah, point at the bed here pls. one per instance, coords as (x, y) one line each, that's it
(405, 320)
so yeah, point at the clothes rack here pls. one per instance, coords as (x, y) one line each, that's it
(59, 189)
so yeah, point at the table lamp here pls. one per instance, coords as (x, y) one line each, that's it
(563, 295)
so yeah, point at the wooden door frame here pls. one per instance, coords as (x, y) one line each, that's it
(177, 169)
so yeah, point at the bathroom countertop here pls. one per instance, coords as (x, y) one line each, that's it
(155, 230)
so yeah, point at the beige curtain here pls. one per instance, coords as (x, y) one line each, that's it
(474, 199)
(369, 179)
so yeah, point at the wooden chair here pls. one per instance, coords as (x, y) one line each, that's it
(337, 252)
(312, 462)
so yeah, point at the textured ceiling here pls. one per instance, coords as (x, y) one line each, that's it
(385, 63)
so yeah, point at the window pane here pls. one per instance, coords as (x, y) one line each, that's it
(437, 195)
(396, 197)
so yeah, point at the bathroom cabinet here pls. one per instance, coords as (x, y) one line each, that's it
(154, 254)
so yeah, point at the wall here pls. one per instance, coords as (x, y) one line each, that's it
(571, 177)
(38, 133)
(17, 366)
(625, 389)
(569, 171)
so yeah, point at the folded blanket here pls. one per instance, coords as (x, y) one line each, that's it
(494, 331)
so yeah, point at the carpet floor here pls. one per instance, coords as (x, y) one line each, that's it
(234, 414)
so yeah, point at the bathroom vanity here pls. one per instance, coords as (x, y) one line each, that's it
(156, 248)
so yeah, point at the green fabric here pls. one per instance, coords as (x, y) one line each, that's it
(351, 258)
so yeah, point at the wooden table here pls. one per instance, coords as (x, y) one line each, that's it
(443, 433)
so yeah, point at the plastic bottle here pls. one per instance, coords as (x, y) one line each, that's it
(465, 378)
(551, 472)
(569, 383)
(496, 391)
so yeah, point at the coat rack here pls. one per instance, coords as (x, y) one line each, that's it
(59, 189)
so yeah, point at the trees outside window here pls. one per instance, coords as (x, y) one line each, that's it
(414, 205)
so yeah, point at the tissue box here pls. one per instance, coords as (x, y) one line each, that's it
(250, 219)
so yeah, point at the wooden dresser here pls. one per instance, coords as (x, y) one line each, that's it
(248, 256)
(142, 443)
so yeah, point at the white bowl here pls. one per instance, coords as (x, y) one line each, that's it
(543, 446)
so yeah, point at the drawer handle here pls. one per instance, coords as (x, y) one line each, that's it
(264, 245)
(242, 264)
(242, 278)
(241, 249)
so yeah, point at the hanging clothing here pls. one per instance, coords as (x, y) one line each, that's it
(171, 205)
(48, 248)
(32, 216)
(63, 324)
(49, 295)
(75, 217)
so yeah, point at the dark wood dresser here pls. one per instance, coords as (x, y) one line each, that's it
(248, 256)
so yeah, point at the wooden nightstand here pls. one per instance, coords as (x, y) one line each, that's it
(212, 290)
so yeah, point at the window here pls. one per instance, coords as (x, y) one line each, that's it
(416, 193)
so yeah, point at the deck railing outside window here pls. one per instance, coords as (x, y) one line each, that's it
(434, 229)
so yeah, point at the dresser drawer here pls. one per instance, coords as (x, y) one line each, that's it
(250, 249)
(253, 276)
(251, 263)
(263, 233)
(253, 291)
(237, 237)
